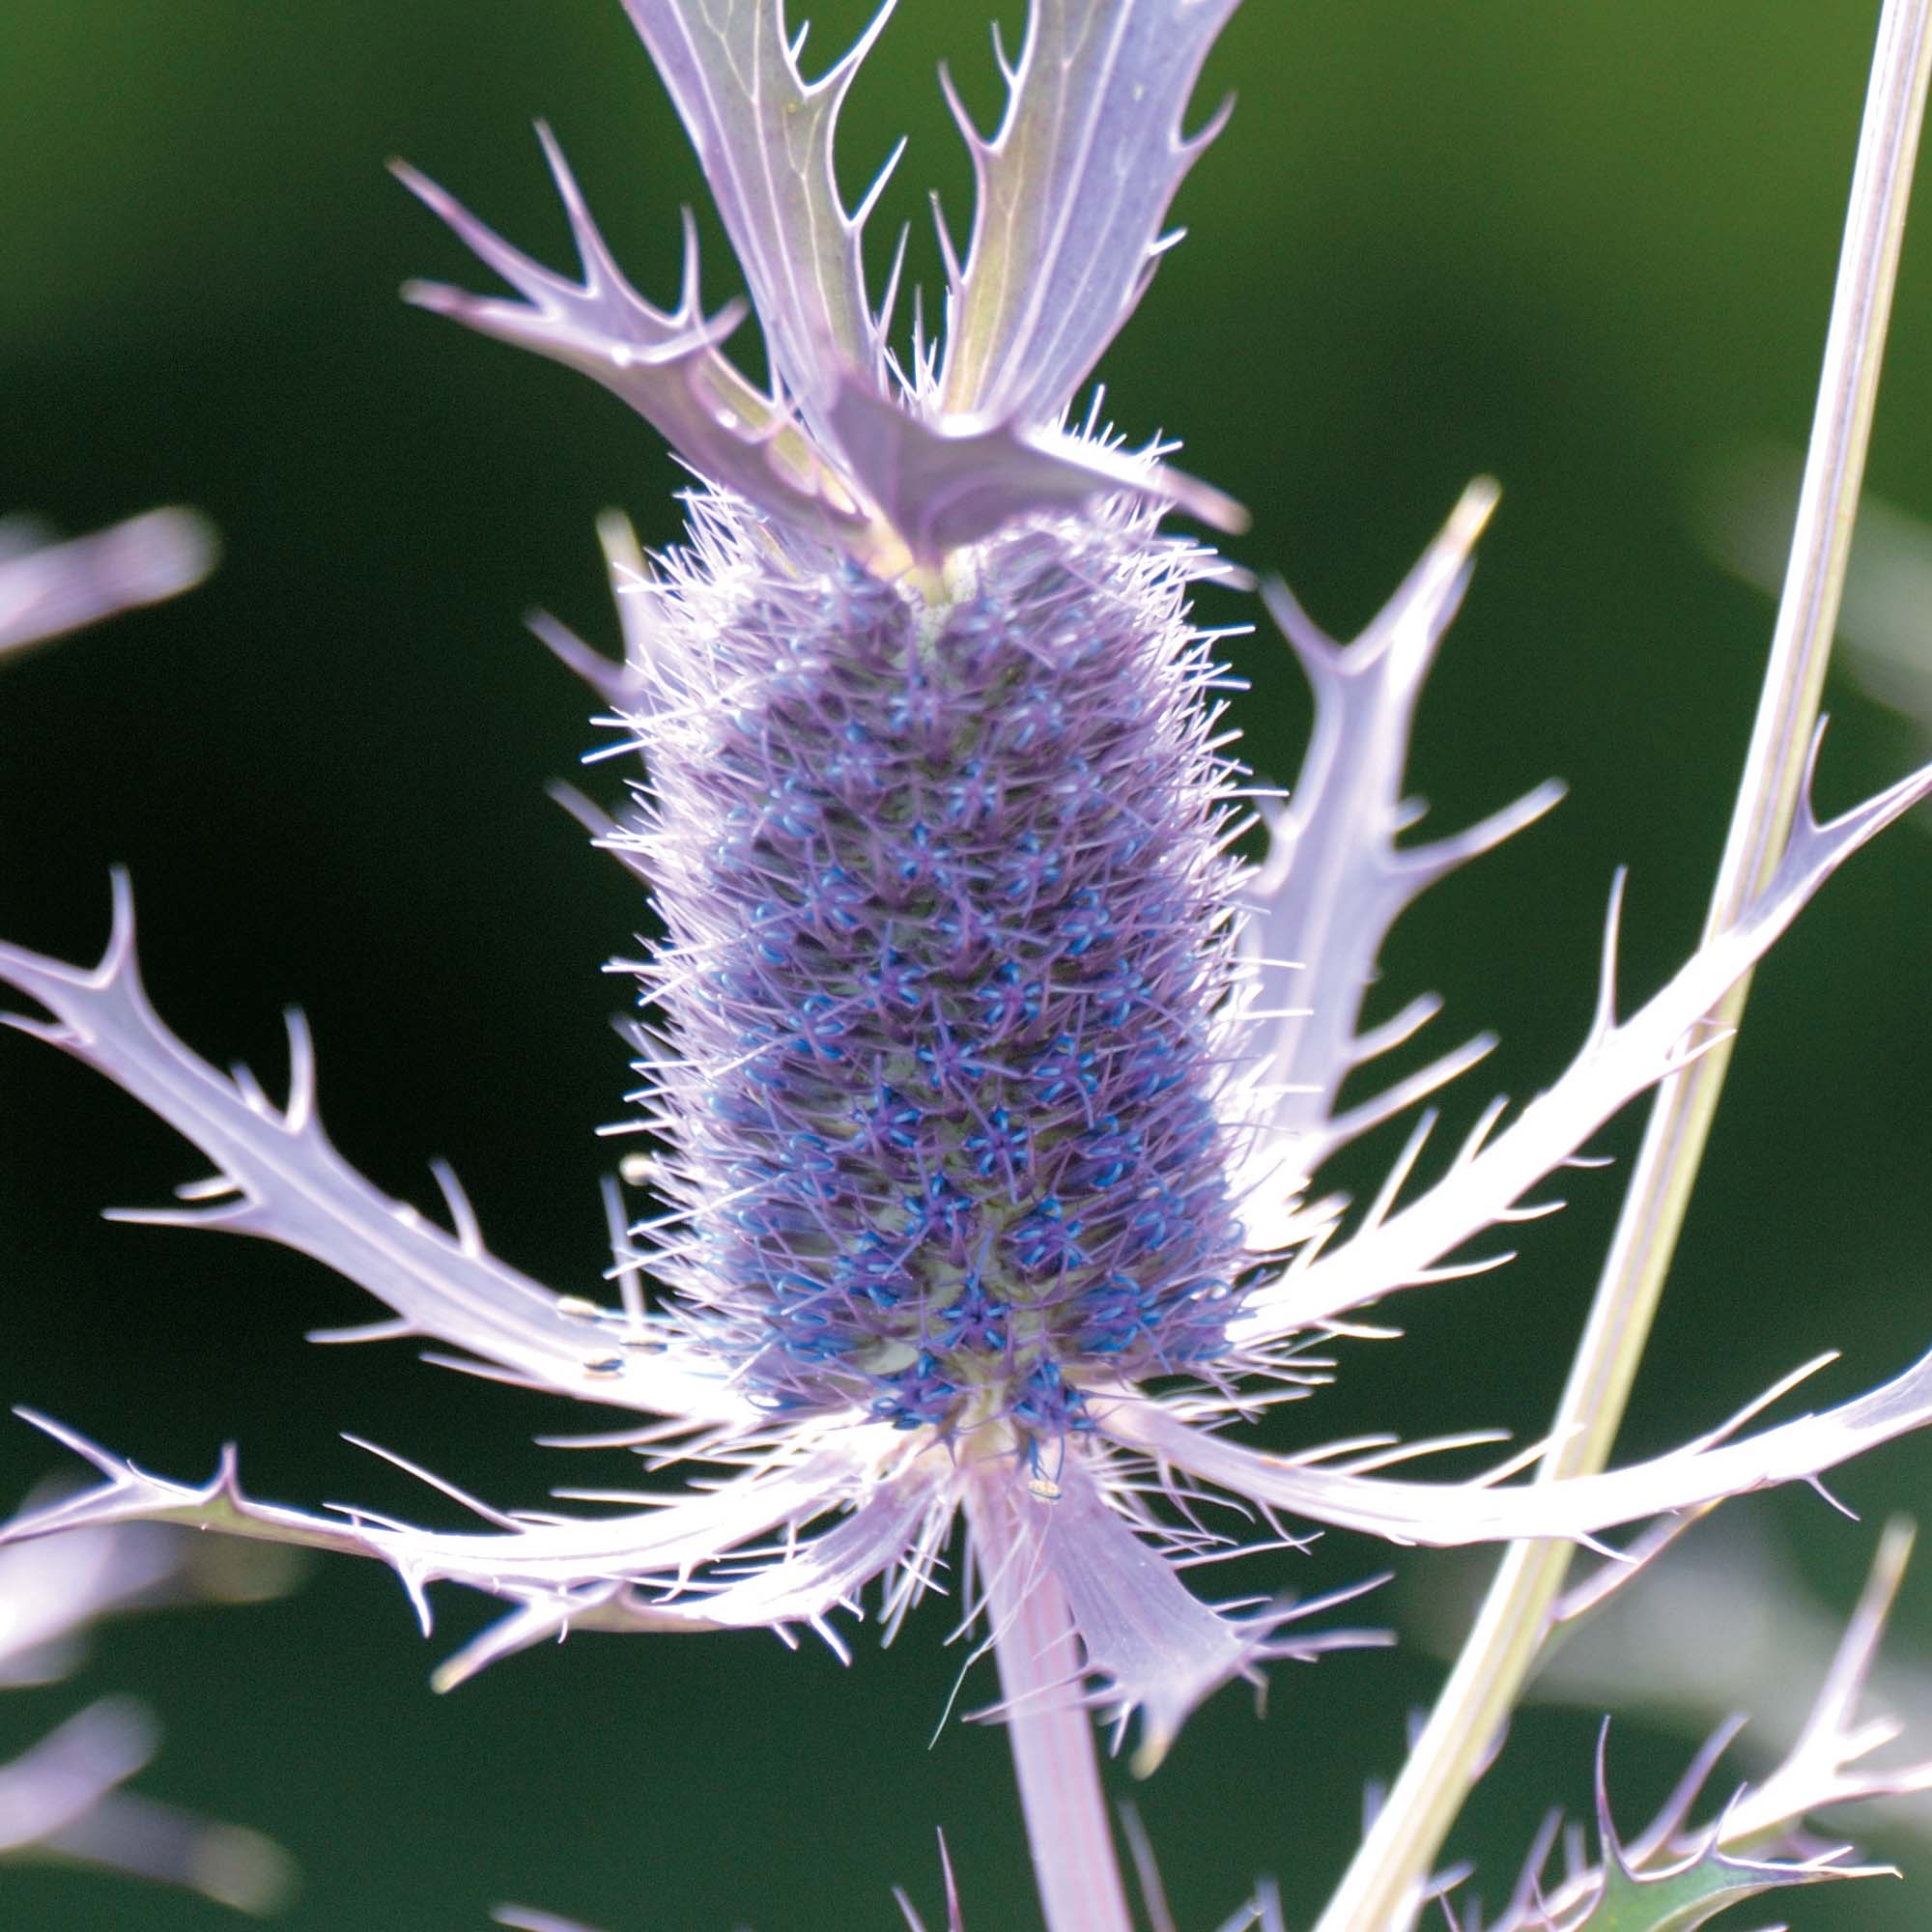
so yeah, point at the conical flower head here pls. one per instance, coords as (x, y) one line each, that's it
(933, 824)
(948, 930)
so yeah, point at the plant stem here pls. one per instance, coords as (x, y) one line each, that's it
(1048, 1725)
(1377, 1893)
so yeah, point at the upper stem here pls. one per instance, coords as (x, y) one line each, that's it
(1378, 1891)
(1047, 1723)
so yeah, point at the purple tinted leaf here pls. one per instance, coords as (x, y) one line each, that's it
(69, 1770)
(51, 1594)
(1826, 1764)
(1071, 197)
(896, 1527)
(1335, 881)
(280, 1178)
(142, 1839)
(62, 1799)
(765, 138)
(663, 362)
(1152, 1644)
(945, 484)
(1441, 1514)
(1619, 1060)
(639, 1571)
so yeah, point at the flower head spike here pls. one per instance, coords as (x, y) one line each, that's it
(987, 1085)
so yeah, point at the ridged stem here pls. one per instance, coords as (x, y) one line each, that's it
(1378, 1891)
(1051, 1733)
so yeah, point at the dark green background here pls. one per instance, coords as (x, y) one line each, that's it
(1587, 248)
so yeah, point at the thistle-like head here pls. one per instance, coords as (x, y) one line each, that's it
(934, 818)
(948, 940)
(986, 1088)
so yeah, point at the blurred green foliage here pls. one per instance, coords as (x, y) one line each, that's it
(1588, 250)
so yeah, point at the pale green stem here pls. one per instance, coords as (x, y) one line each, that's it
(1377, 1892)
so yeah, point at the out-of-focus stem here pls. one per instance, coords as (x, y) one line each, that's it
(1050, 1731)
(1378, 1891)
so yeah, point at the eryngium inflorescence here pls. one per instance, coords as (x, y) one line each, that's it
(989, 1090)
(950, 921)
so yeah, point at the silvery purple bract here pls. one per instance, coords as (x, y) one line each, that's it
(989, 1085)
(65, 1797)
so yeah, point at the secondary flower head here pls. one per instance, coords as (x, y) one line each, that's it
(987, 1085)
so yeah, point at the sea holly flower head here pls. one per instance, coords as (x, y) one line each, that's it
(986, 1079)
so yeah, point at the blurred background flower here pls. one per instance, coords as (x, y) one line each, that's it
(49, 588)
(63, 1800)
(1583, 250)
